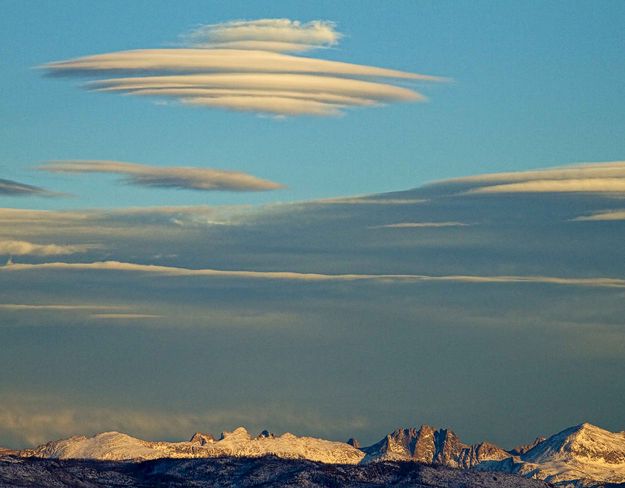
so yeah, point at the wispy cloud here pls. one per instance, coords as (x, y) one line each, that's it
(602, 282)
(124, 316)
(14, 188)
(57, 306)
(265, 34)
(367, 200)
(609, 215)
(240, 67)
(33, 419)
(413, 225)
(21, 248)
(167, 177)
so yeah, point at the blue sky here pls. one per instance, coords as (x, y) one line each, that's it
(535, 85)
(492, 304)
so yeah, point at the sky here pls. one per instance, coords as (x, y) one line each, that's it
(327, 218)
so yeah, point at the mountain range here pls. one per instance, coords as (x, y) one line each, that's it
(580, 456)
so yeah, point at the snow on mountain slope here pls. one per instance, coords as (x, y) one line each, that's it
(580, 456)
(584, 455)
(239, 443)
(104, 446)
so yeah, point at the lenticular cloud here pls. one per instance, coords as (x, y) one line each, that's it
(242, 66)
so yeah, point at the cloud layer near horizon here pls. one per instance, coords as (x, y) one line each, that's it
(240, 67)
(204, 179)
(275, 302)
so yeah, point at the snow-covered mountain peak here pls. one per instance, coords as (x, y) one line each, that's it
(579, 456)
(240, 433)
(583, 441)
(202, 438)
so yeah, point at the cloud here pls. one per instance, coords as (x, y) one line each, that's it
(602, 282)
(610, 215)
(240, 67)
(56, 306)
(167, 177)
(410, 225)
(13, 188)
(606, 177)
(590, 185)
(32, 419)
(266, 35)
(21, 248)
(366, 200)
(124, 316)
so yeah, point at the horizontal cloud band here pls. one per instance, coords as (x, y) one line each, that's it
(167, 177)
(313, 277)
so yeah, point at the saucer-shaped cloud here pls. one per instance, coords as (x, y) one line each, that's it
(266, 35)
(239, 67)
(205, 179)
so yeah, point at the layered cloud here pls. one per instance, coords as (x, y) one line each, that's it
(167, 177)
(358, 281)
(581, 178)
(240, 67)
(265, 35)
(14, 188)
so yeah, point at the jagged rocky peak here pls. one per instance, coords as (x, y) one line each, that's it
(353, 442)
(202, 438)
(265, 434)
(523, 448)
(428, 445)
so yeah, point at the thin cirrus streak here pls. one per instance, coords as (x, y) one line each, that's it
(241, 66)
(167, 177)
(417, 225)
(124, 316)
(601, 282)
(58, 306)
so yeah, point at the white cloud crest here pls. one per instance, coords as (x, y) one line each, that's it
(241, 66)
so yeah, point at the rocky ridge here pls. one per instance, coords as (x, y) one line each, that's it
(580, 456)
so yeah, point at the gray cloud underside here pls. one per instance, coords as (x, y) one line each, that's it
(14, 188)
(340, 327)
(173, 177)
(241, 68)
